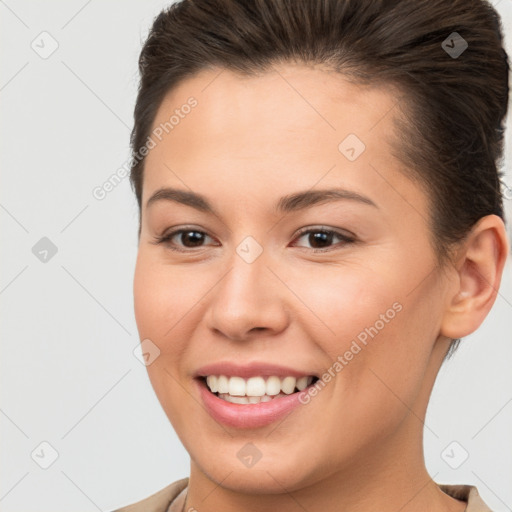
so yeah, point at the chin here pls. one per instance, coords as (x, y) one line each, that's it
(263, 478)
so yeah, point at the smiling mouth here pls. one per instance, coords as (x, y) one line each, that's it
(255, 390)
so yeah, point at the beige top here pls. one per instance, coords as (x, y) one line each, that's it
(172, 498)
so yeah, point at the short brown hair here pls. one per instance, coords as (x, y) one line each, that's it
(451, 136)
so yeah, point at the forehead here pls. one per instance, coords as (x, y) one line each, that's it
(292, 124)
(298, 102)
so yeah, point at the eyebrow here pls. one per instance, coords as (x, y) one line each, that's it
(286, 204)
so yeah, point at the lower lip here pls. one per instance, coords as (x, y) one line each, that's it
(247, 415)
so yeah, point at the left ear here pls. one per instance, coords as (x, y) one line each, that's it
(479, 268)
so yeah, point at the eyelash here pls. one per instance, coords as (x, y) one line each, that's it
(164, 239)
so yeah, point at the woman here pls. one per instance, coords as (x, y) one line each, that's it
(320, 224)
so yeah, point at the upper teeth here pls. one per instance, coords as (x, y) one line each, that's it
(256, 386)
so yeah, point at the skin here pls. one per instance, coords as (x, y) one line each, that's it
(248, 142)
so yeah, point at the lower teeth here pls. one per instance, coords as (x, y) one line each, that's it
(248, 399)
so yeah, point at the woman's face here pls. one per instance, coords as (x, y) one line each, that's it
(284, 279)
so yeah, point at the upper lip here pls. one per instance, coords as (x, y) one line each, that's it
(252, 369)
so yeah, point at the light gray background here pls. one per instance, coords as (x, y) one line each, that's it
(68, 373)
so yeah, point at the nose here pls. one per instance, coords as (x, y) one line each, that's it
(248, 301)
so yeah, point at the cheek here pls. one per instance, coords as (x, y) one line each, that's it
(142, 298)
(344, 302)
(372, 322)
(163, 295)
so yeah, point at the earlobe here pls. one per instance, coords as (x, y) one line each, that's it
(479, 268)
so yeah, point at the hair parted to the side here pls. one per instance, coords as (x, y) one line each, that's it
(450, 133)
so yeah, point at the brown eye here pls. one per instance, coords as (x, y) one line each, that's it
(322, 239)
(186, 238)
(194, 238)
